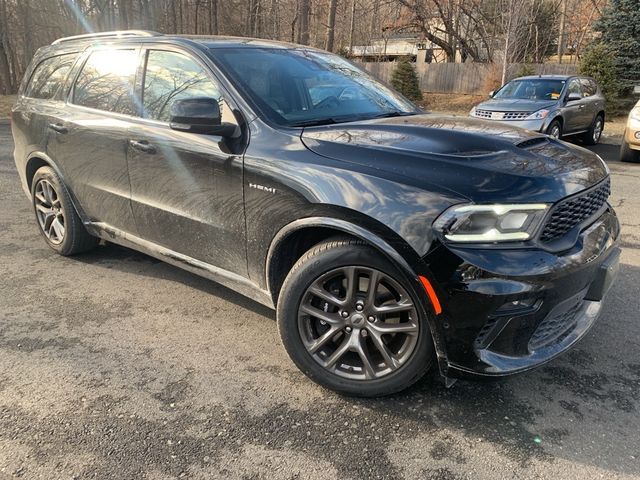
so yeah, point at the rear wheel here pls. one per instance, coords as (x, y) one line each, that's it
(592, 137)
(58, 221)
(555, 129)
(350, 322)
(627, 154)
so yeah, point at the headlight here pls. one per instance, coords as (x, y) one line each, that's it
(539, 115)
(490, 223)
(472, 113)
(635, 113)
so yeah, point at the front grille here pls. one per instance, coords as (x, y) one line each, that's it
(573, 211)
(493, 115)
(556, 327)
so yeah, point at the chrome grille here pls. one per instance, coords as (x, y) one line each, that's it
(575, 210)
(494, 115)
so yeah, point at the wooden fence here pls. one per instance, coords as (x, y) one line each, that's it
(462, 77)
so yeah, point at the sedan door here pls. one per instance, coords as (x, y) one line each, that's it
(186, 188)
(90, 136)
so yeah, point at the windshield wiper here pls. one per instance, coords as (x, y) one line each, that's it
(348, 118)
(393, 114)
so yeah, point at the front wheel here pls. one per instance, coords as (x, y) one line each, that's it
(627, 154)
(555, 129)
(350, 322)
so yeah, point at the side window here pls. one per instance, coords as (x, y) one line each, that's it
(106, 81)
(49, 75)
(574, 87)
(588, 87)
(171, 76)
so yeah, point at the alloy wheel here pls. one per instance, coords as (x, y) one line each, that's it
(358, 322)
(49, 211)
(597, 130)
(555, 132)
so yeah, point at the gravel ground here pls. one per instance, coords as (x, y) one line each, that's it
(114, 365)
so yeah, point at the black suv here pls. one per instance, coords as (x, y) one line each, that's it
(386, 238)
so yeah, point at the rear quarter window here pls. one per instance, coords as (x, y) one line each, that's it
(49, 76)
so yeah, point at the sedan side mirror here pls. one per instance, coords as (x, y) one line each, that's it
(492, 93)
(199, 115)
(572, 97)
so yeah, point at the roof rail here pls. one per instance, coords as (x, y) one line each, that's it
(114, 34)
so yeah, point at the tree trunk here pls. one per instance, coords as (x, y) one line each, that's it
(213, 17)
(303, 29)
(331, 25)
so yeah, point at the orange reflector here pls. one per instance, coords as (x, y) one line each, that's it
(432, 294)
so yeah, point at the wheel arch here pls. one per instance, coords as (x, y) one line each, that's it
(293, 240)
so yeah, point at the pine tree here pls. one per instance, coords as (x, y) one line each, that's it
(598, 61)
(620, 29)
(405, 80)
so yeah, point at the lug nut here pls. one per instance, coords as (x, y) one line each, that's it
(344, 314)
(364, 333)
(371, 318)
(348, 329)
(359, 307)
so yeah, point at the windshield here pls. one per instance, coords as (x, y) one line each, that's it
(535, 89)
(301, 87)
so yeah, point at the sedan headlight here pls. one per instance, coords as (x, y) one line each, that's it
(490, 223)
(539, 115)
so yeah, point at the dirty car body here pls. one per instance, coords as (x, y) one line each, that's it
(241, 206)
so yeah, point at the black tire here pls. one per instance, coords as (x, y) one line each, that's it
(323, 259)
(75, 238)
(592, 136)
(627, 154)
(554, 126)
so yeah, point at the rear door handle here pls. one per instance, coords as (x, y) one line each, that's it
(58, 127)
(142, 145)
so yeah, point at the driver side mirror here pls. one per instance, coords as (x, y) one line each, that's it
(199, 115)
(572, 97)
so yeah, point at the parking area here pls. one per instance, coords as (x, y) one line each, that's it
(115, 365)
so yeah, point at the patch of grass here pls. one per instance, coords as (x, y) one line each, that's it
(450, 102)
(6, 102)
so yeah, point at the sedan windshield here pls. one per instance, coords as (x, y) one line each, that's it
(536, 89)
(302, 87)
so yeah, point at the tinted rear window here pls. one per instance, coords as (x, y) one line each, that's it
(49, 76)
(106, 81)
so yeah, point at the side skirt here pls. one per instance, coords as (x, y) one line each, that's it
(231, 280)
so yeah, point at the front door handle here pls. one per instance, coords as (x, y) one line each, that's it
(143, 146)
(58, 127)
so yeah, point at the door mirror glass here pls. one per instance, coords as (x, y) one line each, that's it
(199, 115)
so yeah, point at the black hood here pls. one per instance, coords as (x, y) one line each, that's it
(481, 160)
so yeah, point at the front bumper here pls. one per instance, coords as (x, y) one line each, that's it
(533, 125)
(510, 310)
